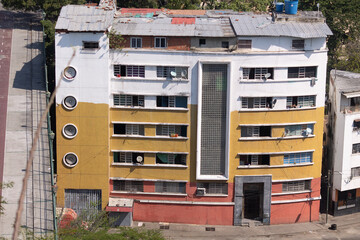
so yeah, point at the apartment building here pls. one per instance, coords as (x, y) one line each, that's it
(190, 116)
(344, 144)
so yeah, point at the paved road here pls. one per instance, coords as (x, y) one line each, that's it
(26, 100)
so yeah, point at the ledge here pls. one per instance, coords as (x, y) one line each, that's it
(188, 202)
(150, 165)
(150, 79)
(274, 81)
(151, 193)
(149, 137)
(296, 200)
(273, 138)
(271, 109)
(290, 193)
(276, 166)
(153, 109)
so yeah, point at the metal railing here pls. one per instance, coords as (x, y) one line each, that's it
(51, 136)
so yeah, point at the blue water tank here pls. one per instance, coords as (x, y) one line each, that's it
(279, 7)
(291, 7)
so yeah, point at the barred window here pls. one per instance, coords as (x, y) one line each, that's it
(128, 157)
(356, 148)
(128, 186)
(170, 158)
(298, 44)
(302, 72)
(135, 42)
(171, 130)
(171, 101)
(244, 44)
(256, 131)
(129, 71)
(296, 186)
(257, 73)
(129, 129)
(171, 72)
(129, 100)
(355, 172)
(299, 130)
(293, 158)
(90, 45)
(214, 188)
(170, 187)
(256, 102)
(300, 101)
(254, 160)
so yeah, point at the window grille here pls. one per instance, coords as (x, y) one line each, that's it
(299, 130)
(300, 101)
(244, 44)
(258, 102)
(129, 71)
(296, 186)
(171, 158)
(168, 72)
(302, 72)
(170, 187)
(90, 45)
(355, 172)
(128, 100)
(214, 188)
(254, 159)
(298, 44)
(356, 148)
(128, 186)
(168, 130)
(294, 158)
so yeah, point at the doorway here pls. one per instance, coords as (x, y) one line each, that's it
(253, 200)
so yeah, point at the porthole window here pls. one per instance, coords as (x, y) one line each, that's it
(70, 130)
(70, 102)
(69, 73)
(70, 159)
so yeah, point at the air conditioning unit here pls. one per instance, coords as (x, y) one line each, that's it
(313, 81)
(200, 191)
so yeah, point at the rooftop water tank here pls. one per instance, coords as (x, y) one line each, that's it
(291, 6)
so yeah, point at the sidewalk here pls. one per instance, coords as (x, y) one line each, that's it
(347, 227)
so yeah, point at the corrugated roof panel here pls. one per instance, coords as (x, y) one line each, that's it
(183, 21)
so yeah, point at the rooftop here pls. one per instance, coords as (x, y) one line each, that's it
(192, 23)
(345, 82)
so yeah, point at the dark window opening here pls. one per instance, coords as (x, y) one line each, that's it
(119, 128)
(298, 44)
(202, 42)
(261, 131)
(265, 131)
(225, 44)
(171, 101)
(355, 101)
(302, 72)
(356, 124)
(346, 199)
(258, 73)
(165, 158)
(244, 44)
(90, 45)
(129, 186)
(254, 159)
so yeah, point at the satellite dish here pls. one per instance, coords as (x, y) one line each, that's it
(173, 74)
(139, 159)
(308, 131)
(266, 76)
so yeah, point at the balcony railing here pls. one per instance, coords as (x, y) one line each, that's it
(350, 109)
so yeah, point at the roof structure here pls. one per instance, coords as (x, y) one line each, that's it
(346, 82)
(190, 23)
(80, 18)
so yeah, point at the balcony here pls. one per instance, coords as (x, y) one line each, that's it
(350, 109)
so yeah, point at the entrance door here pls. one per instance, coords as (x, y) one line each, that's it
(253, 200)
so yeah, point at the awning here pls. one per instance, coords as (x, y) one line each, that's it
(352, 94)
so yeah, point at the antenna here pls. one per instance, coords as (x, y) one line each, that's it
(318, 6)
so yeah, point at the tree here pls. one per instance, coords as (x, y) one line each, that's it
(2, 200)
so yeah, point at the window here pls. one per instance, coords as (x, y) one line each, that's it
(254, 160)
(171, 101)
(202, 42)
(300, 101)
(128, 186)
(129, 100)
(294, 158)
(214, 188)
(258, 73)
(135, 42)
(302, 72)
(166, 158)
(128, 157)
(355, 101)
(90, 45)
(172, 72)
(356, 125)
(261, 131)
(244, 43)
(258, 102)
(298, 44)
(129, 71)
(225, 44)
(171, 130)
(299, 130)
(160, 42)
(129, 129)
(296, 186)
(170, 187)
(355, 172)
(346, 199)
(356, 148)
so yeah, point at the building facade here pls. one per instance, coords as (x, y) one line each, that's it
(344, 135)
(190, 116)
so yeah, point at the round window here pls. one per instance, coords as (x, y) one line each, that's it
(69, 73)
(70, 159)
(69, 130)
(70, 102)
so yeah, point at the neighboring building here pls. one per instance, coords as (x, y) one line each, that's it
(344, 144)
(203, 117)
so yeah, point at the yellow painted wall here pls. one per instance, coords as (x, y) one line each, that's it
(91, 145)
(161, 145)
(269, 117)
